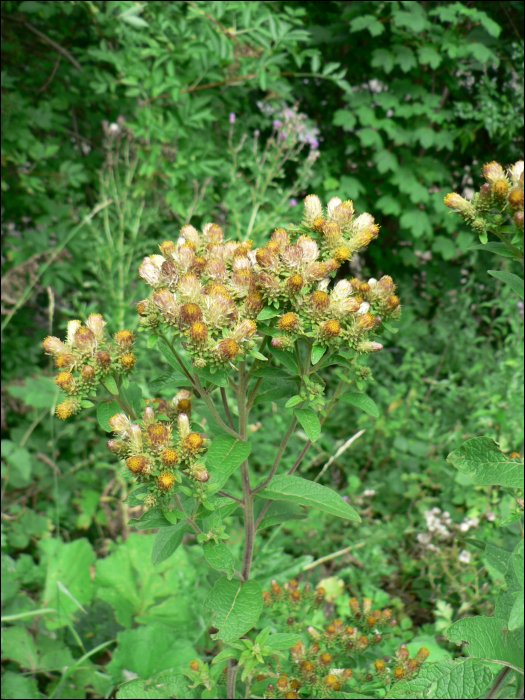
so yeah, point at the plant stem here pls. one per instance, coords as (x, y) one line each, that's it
(278, 457)
(233, 669)
(226, 408)
(249, 525)
(209, 403)
(498, 684)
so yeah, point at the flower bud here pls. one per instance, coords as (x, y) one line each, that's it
(158, 435)
(313, 208)
(167, 248)
(124, 339)
(460, 205)
(332, 682)
(280, 342)
(183, 425)
(289, 322)
(399, 674)
(85, 340)
(515, 173)
(67, 408)
(150, 272)
(88, 374)
(319, 301)
(516, 199)
(72, 328)
(194, 443)
(484, 200)
(403, 653)
(325, 659)
(332, 233)
(244, 331)
(166, 481)
(116, 447)
(329, 329)
(294, 284)
(128, 361)
(492, 172)
(266, 259)
(298, 651)
(422, 655)
(66, 382)
(169, 457)
(500, 189)
(97, 324)
(191, 235)
(213, 234)
(148, 417)
(199, 473)
(142, 308)
(65, 361)
(518, 219)
(280, 238)
(343, 214)
(380, 666)
(365, 347)
(342, 254)
(103, 359)
(182, 401)
(367, 606)
(318, 224)
(119, 423)
(199, 333)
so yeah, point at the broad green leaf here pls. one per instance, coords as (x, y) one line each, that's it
(268, 312)
(283, 641)
(168, 355)
(271, 373)
(136, 497)
(294, 401)
(307, 417)
(516, 283)
(449, 680)
(219, 377)
(482, 460)
(488, 638)
(110, 384)
(151, 520)
(516, 614)
(362, 401)
(280, 512)
(219, 557)
(167, 540)
(15, 685)
(152, 340)
(286, 359)
(225, 455)
(133, 396)
(496, 248)
(173, 379)
(307, 493)
(104, 412)
(270, 391)
(237, 607)
(317, 353)
(517, 562)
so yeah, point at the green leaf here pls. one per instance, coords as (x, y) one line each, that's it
(111, 385)
(268, 312)
(383, 59)
(430, 55)
(294, 401)
(283, 641)
(449, 680)
(167, 541)
(135, 22)
(344, 118)
(488, 638)
(225, 455)
(258, 355)
(496, 248)
(152, 519)
(133, 396)
(237, 607)
(281, 512)
(307, 493)
(368, 22)
(152, 340)
(219, 377)
(482, 460)
(362, 401)
(286, 359)
(168, 355)
(136, 497)
(13, 684)
(173, 379)
(307, 417)
(417, 222)
(517, 563)
(219, 557)
(317, 353)
(104, 412)
(516, 614)
(514, 282)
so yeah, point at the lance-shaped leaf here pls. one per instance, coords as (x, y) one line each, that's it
(308, 493)
(307, 417)
(225, 455)
(362, 401)
(152, 519)
(514, 282)
(167, 540)
(237, 607)
(485, 463)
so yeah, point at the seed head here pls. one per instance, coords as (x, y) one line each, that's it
(244, 331)
(319, 301)
(366, 322)
(343, 214)
(138, 465)
(289, 322)
(330, 329)
(399, 674)
(298, 650)
(318, 224)
(195, 666)
(199, 473)
(199, 332)
(119, 423)
(516, 199)
(500, 188)
(166, 481)
(342, 254)
(422, 655)
(228, 350)
(294, 283)
(115, 446)
(166, 303)
(280, 238)
(65, 361)
(183, 425)
(518, 219)
(142, 308)
(103, 359)
(380, 666)
(326, 659)
(85, 340)
(88, 373)
(332, 682)
(158, 434)
(182, 401)
(403, 653)
(97, 324)
(167, 248)
(307, 668)
(190, 313)
(194, 443)
(332, 233)
(493, 172)
(312, 208)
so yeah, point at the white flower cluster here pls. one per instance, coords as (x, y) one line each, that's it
(440, 527)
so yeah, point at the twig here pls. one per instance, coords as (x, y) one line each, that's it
(233, 498)
(227, 408)
(329, 557)
(51, 43)
(339, 452)
(278, 457)
(262, 514)
(498, 684)
(49, 80)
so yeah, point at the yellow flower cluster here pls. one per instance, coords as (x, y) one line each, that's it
(218, 294)
(85, 358)
(158, 452)
(502, 191)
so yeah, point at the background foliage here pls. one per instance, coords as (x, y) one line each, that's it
(126, 108)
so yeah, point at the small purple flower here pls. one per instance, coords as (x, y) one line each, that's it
(283, 135)
(232, 117)
(293, 202)
(256, 133)
(314, 144)
(345, 498)
(276, 124)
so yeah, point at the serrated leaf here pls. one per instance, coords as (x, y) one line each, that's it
(517, 563)
(317, 353)
(104, 412)
(307, 417)
(308, 493)
(219, 557)
(225, 455)
(226, 655)
(496, 248)
(486, 465)
(237, 607)
(362, 401)
(488, 638)
(449, 680)
(514, 282)
(271, 373)
(167, 541)
(151, 520)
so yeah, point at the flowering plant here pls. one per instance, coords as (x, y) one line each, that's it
(227, 318)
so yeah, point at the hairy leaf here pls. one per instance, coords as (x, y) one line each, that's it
(237, 607)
